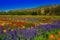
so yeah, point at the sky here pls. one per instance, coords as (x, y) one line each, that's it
(24, 4)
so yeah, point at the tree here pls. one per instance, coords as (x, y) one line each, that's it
(34, 13)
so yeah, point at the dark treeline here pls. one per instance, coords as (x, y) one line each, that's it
(48, 10)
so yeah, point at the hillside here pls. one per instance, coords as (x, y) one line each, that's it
(44, 10)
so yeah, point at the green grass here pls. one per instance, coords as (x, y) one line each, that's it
(34, 16)
(30, 16)
(44, 37)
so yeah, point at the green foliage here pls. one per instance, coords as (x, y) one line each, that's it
(34, 13)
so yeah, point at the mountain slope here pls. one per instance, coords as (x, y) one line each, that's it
(43, 10)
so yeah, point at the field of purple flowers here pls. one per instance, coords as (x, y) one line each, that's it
(30, 28)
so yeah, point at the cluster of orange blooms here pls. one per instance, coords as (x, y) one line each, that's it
(3, 23)
(53, 36)
(15, 23)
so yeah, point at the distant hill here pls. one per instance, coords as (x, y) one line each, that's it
(43, 10)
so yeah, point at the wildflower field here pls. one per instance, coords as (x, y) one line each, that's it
(23, 27)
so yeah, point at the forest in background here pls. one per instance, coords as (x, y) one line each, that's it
(44, 10)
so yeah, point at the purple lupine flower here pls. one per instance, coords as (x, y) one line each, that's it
(24, 33)
(36, 30)
(11, 32)
(7, 33)
(1, 32)
(16, 32)
(46, 27)
(55, 26)
(31, 33)
(15, 38)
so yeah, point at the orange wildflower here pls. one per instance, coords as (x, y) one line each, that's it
(3, 24)
(22, 26)
(4, 31)
(10, 23)
(59, 33)
(51, 36)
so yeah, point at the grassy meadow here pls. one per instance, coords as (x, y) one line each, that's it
(28, 27)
